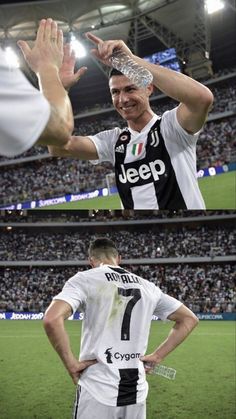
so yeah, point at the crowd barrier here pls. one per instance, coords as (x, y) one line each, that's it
(19, 315)
(60, 200)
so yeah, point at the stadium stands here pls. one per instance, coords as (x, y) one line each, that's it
(21, 244)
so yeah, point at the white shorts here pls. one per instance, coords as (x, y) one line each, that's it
(86, 407)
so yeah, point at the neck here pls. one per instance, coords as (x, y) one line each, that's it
(139, 123)
(111, 261)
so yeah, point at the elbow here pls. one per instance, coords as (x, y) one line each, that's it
(193, 320)
(206, 99)
(49, 322)
(190, 321)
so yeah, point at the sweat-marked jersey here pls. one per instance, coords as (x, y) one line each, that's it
(154, 168)
(118, 308)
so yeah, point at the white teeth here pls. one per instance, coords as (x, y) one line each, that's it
(127, 107)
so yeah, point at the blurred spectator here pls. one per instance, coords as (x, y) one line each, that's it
(71, 244)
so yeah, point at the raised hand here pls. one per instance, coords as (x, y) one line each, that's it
(105, 49)
(67, 72)
(48, 47)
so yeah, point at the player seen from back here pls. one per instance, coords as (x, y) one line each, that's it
(118, 308)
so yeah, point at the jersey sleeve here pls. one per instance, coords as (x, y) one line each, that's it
(73, 293)
(104, 142)
(24, 111)
(166, 305)
(173, 132)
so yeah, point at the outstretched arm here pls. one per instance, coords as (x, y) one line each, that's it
(53, 321)
(195, 99)
(185, 321)
(78, 147)
(45, 59)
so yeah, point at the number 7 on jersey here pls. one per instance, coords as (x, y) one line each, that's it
(136, 295)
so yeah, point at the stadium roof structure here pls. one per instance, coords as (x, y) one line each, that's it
(147, 26)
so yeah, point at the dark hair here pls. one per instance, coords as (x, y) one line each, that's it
(102, 248)
(114, 72)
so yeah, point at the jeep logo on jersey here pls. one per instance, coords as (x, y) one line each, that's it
(119, 356)
(145, 171)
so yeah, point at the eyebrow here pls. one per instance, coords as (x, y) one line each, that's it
(129, 86)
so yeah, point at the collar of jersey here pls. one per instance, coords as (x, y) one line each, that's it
(147, 127)
(105, 264)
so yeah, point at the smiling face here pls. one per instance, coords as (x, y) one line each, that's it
(131, 102)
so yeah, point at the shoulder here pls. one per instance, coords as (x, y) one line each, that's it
(173, 131)
(109, 134)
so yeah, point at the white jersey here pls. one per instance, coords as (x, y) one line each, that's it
(24, 111)
(118, 308)
(154, 168)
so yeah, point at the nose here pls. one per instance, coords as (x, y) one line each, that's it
(123, 98)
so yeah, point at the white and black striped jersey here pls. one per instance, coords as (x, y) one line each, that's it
(154, 168)
(118, 308)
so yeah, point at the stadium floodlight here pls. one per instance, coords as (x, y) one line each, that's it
(213, 6)
(79, 49)
(11, 57)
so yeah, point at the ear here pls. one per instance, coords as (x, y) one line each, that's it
(150, 89)
(118, 259)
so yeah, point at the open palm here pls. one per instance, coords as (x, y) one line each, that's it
(67, 72)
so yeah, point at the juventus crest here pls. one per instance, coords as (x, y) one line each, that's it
(154, 138)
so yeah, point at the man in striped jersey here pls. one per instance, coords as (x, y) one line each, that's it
(154, 157)
(118, 308)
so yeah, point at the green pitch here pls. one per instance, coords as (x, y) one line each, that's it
(34, 384)
(219, 192)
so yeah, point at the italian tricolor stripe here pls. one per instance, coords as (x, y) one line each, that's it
(137, 149)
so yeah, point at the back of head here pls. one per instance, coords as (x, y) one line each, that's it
(103, 249)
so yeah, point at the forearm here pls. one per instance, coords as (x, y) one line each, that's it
(56, 132)
(58, 98)
(177, 335)
(178, 86)
(60, 341)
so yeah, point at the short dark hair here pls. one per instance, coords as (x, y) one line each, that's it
(114, 72)
(102, 247)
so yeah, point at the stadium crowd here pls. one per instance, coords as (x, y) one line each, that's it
(72, 244)
(207, 288)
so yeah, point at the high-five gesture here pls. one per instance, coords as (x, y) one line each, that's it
(47, 49)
